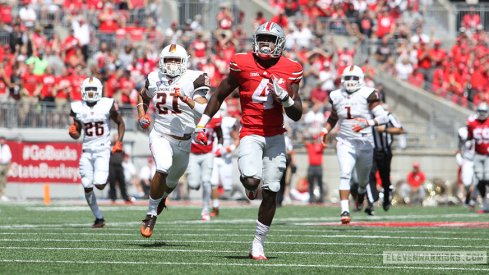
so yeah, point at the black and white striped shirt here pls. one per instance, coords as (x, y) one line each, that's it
(383, 141)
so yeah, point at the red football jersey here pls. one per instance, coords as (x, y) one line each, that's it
(478, 130)
(261, 115)
(209, 131)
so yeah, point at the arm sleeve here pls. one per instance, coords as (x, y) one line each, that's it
(150, 88)
(201, 86)
(381, 116)
(234, 68)
(296, 76)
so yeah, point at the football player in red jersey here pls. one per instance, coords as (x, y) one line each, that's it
(478, 130)
(268, 83)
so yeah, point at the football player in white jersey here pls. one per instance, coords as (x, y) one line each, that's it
(465, 159)
(223, 162)
(179, 97)
(352, 107)
(92, 115)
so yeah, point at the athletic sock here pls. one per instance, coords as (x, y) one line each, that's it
(261, 232)
(92, 202)
(345, 206)
(153, 206)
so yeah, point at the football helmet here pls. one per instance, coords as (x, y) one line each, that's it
(352, 78)
(482, 111)
(171, 68)
(263, 47)
(91, 89)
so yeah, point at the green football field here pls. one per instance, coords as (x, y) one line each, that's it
(35, 239)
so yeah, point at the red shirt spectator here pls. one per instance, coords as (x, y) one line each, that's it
(30, 82)
(70, 47)
(63, 87)
(471, 20)
(6, 13)
(199, 46)
(76, 80)
(437, 53)
(416, 78)
(224, 18)
(385, 23)
(281, 19)
(416, 177)
(424, 58)
(48, 81)
(108, 19)
(315, 151)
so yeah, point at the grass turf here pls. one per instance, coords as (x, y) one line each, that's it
(58, 240)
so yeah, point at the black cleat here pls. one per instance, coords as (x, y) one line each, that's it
(161, 206)
(370, 210)
(359, 202)
(98, 223)
(386, 205)
(148, 225)
(345, 217)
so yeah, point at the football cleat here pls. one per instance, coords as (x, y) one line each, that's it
(205, 218)
(359, 202)
(161, 206)
(98, 223)
(215, 212)
(386, 205)
(370, 210)
(345, 217)
(257, 258)
(256, 252)
(148, 225)
(483, 211)
(251, 194)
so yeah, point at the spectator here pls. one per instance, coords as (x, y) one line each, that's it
(403, 68)
(414, 188)
(5, 158)
(27, 14)
(314, 119)
(384, 50)
(315, 171)
(81, 31)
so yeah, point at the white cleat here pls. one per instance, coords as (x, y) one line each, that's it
(256, 252)
(205, 218)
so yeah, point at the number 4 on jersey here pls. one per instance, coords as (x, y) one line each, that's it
(262, 95)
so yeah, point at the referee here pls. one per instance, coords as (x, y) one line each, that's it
(383, 136)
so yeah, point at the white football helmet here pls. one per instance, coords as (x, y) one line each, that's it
(352, 78)
(173, 69)
(262, 48)
(482, 111)
(91, 89)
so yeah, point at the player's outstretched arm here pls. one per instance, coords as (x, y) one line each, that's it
(227, 86)
(144, 120)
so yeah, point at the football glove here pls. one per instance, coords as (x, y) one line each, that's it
(144, 121)
(362, 123)
(117, 147)
(73, 131)
(200, 136)
(278, 87)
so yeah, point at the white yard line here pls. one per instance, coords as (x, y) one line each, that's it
(244, 242)
(184, 250)
(279, 228)
(261, 264)
(247, 235)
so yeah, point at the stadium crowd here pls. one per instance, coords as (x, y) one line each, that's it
(49, 47)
